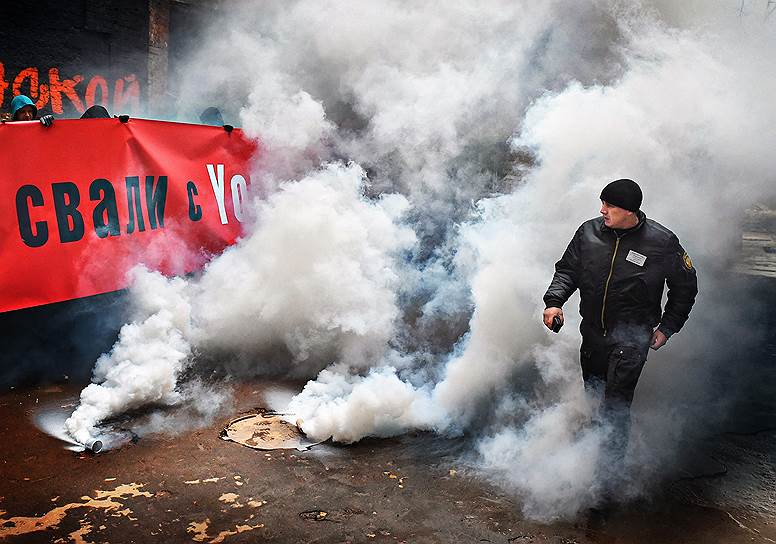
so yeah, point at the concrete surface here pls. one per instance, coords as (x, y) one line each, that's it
(195, 487)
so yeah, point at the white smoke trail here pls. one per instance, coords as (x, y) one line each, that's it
(317, 278)
(144, 364)
(676, 117)
(425, 99)
(321, 286)
(427, 115)
(348, 407)
(556, 441)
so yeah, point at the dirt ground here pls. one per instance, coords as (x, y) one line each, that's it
(195, 487)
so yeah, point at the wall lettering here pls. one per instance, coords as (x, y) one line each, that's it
(50, 88)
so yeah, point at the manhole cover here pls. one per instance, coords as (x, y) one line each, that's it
(266, 432)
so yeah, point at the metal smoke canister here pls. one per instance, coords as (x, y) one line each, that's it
(93, 445)
(556, 324)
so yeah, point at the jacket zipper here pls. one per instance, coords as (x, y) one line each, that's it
(606, 287)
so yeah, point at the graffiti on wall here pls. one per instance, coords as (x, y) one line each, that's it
(50, 88)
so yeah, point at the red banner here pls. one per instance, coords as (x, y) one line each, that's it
(83, 201)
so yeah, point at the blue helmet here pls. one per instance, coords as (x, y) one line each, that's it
(19, 101)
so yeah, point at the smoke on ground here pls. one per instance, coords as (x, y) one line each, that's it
(423, 168)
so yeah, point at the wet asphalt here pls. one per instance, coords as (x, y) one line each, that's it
(195, 487)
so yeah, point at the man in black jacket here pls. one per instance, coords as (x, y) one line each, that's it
(620, 263)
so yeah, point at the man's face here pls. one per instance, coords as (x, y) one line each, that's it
(27, 113)
(615, 217)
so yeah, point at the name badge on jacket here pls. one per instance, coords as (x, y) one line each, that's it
(636, 258)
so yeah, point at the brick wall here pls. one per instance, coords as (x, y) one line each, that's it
(68, 54)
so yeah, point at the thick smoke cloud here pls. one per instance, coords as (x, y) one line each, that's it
(314, 282)
(423, 168)
(317, 278)
(144, 364)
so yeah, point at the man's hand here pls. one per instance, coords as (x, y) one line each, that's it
(47, 120)
(549, 313)
(658, 339)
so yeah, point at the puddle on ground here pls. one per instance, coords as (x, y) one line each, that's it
(266, 431)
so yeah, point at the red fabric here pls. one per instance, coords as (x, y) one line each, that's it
(80, 151)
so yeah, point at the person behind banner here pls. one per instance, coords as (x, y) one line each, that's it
(95, 112)
(24, 109)
(211, 116)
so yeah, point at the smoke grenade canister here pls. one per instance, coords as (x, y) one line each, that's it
(556, 324)
(93, 445)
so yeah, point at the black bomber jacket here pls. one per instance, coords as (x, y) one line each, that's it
(621, 275)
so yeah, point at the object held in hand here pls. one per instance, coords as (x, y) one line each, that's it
(556, 324)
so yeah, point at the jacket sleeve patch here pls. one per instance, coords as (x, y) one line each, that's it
(687, 262)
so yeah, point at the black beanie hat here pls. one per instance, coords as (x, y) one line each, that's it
(623, 193)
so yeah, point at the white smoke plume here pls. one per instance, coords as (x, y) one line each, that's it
(487, 131)
(319, 286)
(317, 278)
(348, 407)
(143, 366)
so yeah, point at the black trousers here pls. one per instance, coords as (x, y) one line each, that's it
(611, 366)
